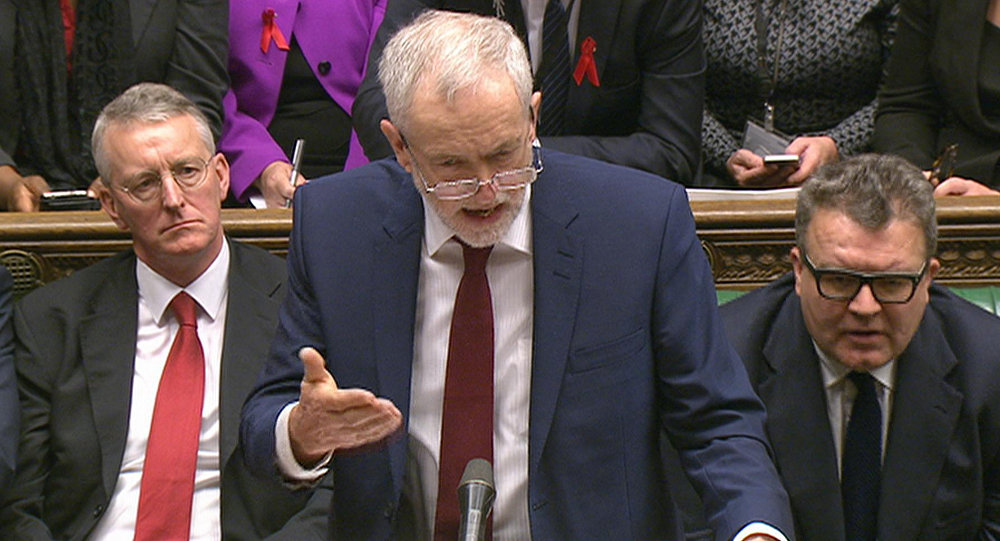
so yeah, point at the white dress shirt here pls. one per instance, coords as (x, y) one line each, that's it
(534, 16)
(840, 393)
(510, 275)
(156, 330)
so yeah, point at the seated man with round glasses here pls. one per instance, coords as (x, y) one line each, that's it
(131, 372)
(882, 389)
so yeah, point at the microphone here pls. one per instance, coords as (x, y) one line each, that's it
(475, 500)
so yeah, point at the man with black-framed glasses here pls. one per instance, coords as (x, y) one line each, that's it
(882, 389)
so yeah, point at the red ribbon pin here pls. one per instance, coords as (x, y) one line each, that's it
(271, 31)
(587, 66)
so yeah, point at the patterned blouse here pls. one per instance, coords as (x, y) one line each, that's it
(829, 67)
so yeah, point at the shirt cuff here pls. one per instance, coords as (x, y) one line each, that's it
(290, 469)
(759, 528)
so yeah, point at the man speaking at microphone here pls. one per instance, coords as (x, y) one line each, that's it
(548, 313)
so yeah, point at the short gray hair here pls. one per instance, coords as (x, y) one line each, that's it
(872, 190)
(451, 49)
(145, 103)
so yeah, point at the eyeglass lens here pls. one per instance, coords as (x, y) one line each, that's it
(842, 286)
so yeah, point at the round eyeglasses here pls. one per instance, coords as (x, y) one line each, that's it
(886, 287)
(147, 186)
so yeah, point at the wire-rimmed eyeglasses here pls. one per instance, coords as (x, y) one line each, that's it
(509, 180)
(147, 186)
(844, 284)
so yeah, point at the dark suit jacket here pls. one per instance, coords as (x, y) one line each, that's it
(9, 115)
(940, 476)
(620, 285)
(651, 65)
(181, 43)
(931, 95)
(76, 348)
(9, 410)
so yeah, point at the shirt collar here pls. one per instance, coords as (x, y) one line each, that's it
(518, 236)
(208, 290)
(835, 372)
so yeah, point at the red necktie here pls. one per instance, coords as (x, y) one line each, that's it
(467, 419)
(172, 452)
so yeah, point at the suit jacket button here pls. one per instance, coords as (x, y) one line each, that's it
(98, 510)
(324, 67)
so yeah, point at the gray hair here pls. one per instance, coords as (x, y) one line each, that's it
(451, 49)
(145, 103)
(872, 190)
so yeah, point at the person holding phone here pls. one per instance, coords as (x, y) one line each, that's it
(803, 73)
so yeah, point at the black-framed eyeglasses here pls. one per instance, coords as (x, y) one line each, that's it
(147, 186)
(454, 190)
(943, 167)
(844, 284)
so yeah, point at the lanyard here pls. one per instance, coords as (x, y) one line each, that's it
(770, 79)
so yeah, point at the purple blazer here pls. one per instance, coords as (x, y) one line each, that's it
(337, 33)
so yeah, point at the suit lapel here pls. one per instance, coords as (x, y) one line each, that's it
(107, 354)
(558, 263)
(963, 54)
(799, 427)
(515, 16)
(598, 20)
(251, 309)
(397, 255)
(924, 414)
(139, 12)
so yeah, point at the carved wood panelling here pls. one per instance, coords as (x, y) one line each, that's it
(747, 242)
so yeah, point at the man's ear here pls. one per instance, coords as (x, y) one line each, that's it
(110, 206)
(796, 257)
(536, 107)
(222, 170)
(933, 266)
(395, 138)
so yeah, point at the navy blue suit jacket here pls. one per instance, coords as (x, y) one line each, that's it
(941, 471)
(627, 341)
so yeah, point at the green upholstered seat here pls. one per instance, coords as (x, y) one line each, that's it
(986, 297)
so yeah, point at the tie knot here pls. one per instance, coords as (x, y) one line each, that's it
(185, 309)
(475, 258)
(864, 382)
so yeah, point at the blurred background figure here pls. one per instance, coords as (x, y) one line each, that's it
(817, 64)
(940, 107)
(295, 66)
(622, 81)
(61, 61)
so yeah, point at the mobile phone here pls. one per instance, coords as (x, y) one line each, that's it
(68, 200)
(781, 159)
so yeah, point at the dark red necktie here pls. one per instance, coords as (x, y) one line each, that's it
(467, 419)
(172, 451)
